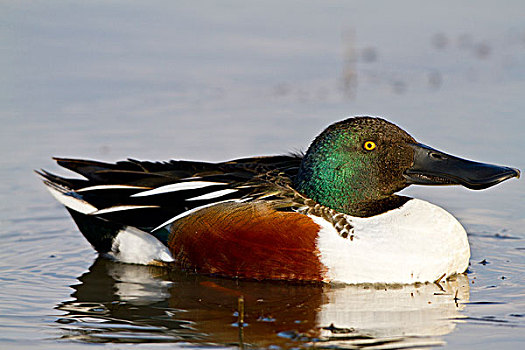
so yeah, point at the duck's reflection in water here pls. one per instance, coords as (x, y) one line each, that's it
(128, 303)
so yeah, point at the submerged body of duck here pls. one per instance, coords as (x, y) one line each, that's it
(331, 215)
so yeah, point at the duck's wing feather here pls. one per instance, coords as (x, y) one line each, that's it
(147, 194)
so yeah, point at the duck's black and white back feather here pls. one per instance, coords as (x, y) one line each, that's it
(146, 194)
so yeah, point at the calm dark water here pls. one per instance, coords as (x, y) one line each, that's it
(217, 80)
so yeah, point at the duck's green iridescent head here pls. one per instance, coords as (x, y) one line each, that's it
(356, 165)
(355, 161)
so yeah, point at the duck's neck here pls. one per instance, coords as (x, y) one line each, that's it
(376, 207)
(329, 181)
(345, 201)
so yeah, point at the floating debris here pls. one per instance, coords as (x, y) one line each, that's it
(336, 330)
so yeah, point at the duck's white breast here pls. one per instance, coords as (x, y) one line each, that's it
(417, 242)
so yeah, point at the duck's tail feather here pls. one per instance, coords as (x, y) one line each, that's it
(90, 211)
(111, 238)
(67, 197)
(63, 181)
(99, 232)
(122, 243)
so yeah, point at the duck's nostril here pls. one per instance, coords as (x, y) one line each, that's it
(436, 155)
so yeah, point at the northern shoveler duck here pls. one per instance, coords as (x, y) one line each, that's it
(329, 215)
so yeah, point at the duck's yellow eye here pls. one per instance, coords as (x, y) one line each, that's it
(369, 145)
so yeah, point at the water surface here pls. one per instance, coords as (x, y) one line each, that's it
(214, 81)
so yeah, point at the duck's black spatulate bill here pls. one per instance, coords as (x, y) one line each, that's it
(432, 167)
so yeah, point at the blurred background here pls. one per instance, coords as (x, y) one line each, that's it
(213, 80)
